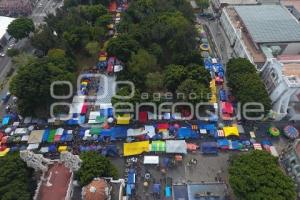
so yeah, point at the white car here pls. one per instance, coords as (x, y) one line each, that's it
(40, 5)
(2, 54)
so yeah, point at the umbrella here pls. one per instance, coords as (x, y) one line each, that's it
(274, 131)
(30, 128)
(291, 132)
(8, 130)
(110, 120)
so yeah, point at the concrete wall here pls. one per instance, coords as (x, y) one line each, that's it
(292, 49)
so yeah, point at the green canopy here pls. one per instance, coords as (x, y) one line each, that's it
(158, 146)
(95, 131)
(274, 131)
(100, 119)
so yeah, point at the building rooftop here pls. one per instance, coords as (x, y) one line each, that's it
(294, 3)
(212, 191)
(291, 65)
(97, 190)
(269, 23)
(4, 22)
(55, 183)
(256, 54)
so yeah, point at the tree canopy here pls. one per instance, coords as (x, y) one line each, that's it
(20, 28)
(32, 82)
(246, 84)
(94, 165)
(16, 179)
(257, 176)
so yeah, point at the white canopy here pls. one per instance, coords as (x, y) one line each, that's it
(176, 146)
(21, 131)
(151, 160)
(150, 130)
(136, 132)
(32, 146)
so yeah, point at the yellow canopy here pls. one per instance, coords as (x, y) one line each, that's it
(231, 131)
(62, 148)
(3, 153)
(102, 58)
(123, 120)
(135, 148)
(110, 26)
(213, 99)
(118, 15)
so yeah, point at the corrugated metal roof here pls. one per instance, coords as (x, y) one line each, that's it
(269, 23)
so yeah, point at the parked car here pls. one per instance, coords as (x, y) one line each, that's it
(2, 54)
(6, 97)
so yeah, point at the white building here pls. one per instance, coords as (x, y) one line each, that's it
(269, 36)
(4, 36)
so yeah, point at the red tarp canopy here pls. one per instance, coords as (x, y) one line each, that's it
(227, 108)
(143, 117)
(112, 6)
(163, 126)
(84, 109)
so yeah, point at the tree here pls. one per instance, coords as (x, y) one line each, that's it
(92, 12)
(44, 39)
(94, 165)
(140, 65)
(256, 175)
(22, 59)
(193, 91)
(32, 83)
(203, 4)
(16, 179)
(173, 76)
(104, 20)
(246, 84)
(122, 47)
(92, 48)
(12, 52)
(154, 81)
(20, 28)
(56, 54)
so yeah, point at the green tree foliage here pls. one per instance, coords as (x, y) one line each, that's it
(154, 81)
(140, 65)
(256, 175)
(32, 82)
(193, 91)
(12, 52)
(92, 48)
(104, 20)
(92, 12)
(20, 28)
(22, 59)
(94, 165)
(122, 47)
(246, 84)
(74, 3)
(16, 179)
(173, 76)
(203, 4)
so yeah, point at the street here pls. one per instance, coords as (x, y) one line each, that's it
(41, 10)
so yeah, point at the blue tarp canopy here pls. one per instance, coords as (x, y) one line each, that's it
(185, 133)
(129, 188)
(156, 188)
(52, 148)
(131, 176)
(211, 128)
(107, 112)
(110, 150)
(209, 147)
(235, 145)
(222, 95)
(223, 142)
(168, 191)
(119, 132)
(5, 120)
(46, 135)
